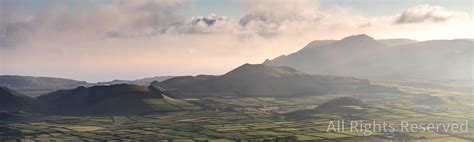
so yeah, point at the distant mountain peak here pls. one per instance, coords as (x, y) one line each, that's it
(358, 38)
(356, 41)
(248, 66)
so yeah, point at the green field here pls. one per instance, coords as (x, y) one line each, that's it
(257, 118)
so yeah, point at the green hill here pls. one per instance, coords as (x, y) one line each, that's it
(264, 80)
(341, 105)
(341, 101)
(119, 99)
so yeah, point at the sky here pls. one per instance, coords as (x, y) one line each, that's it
(123, 39)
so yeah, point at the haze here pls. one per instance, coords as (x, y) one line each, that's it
(100, 41)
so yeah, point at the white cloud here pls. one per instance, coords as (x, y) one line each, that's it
(427, 13)
(269, 17)
(143, 38)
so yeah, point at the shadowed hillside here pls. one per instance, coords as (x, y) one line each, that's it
(342, 105)
(36, 86)
(264, 80)
(11, 100)
(119, 99)
(259, 79)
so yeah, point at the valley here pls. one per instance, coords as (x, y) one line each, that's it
(225, 118)
(310, 95)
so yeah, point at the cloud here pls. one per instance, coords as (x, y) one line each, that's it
(85, 20)
(134, 39)
(205, 25)
(89, 21)
(280, 10)
(269, 17)
(427, 13)
(12, 22)
(144, 17)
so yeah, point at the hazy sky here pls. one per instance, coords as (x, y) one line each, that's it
(119, 39)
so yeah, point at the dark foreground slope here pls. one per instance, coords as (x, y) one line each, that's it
(102, 100)
(11, 100)
(264, 80)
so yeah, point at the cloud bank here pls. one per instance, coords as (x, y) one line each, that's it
(133, 39)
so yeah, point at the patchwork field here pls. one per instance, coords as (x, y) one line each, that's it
(229, 118)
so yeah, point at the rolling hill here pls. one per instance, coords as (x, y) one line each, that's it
(118, 99)
(341, 105)
(143, 81)
(263, 80)
(363, 56)
(432, 100)
(35, 86)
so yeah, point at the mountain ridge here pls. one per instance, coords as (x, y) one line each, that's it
(263, 80)
(35, 86)
(364, 57)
